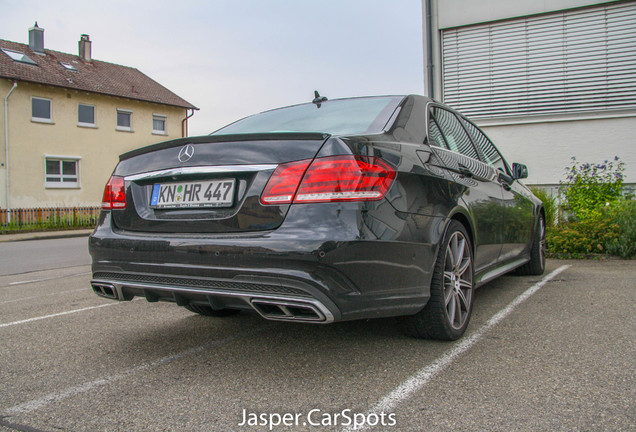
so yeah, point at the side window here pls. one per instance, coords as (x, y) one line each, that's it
(455, 135)
(490, 152)
(435, 136)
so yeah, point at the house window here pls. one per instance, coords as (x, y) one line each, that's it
(124, 120)
(62, 172)
(41, 110)
(159, 124)
(86, 115)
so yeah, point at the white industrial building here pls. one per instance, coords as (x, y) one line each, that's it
(546, 80)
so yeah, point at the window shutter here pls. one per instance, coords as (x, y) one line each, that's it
(567, 62)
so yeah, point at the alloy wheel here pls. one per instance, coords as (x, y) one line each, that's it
(458, 281)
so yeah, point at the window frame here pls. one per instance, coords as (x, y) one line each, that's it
(48, 120)
(62, 184)
(130, 116)
(162, 117)
(84, 124)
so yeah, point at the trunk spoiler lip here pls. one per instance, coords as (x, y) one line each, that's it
(271, 136)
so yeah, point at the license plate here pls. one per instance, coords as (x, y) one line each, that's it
(214, 193)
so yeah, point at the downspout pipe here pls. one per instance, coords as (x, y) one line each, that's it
(6, 147)
(428, 41)
(184, 123)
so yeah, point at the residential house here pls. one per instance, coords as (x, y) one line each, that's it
(546, 81)
(67, 117)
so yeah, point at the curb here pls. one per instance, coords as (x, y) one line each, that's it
(44, 235)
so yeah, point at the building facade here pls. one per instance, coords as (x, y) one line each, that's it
(547, 81)
(66, 118)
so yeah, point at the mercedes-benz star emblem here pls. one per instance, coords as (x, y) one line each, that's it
(186, 153)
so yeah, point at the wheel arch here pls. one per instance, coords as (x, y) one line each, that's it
(465, 221)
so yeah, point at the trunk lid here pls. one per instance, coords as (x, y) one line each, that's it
(209, 184)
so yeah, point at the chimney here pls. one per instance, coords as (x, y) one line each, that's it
(36, 39)
(85, 48)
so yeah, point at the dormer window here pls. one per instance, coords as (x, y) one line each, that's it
(19, 56)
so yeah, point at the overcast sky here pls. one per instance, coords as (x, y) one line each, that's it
(233, 58)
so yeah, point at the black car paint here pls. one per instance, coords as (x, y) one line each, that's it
(360, 259)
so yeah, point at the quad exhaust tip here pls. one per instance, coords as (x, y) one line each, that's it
(105, 290)
(287, 311)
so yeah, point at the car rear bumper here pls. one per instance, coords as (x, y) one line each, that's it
(329, 273)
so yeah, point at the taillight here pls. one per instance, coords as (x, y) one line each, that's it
(114, 194)
(336, 178)
(283, 183)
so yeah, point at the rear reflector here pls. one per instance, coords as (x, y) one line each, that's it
(114, 194)
(337, 178)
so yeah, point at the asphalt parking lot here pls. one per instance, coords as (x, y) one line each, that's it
(553, 353)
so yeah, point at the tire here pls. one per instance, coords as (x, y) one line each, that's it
(208, 311)
(536, 265)
(447, 313)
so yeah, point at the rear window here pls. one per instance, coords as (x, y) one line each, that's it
(336, 117)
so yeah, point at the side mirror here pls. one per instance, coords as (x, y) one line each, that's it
(519, 171)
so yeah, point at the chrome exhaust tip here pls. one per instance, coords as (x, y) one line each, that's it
(287, 310)
(105, 290)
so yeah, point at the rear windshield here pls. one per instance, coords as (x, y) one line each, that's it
(336, 117)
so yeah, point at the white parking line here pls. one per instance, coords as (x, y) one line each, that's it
(32, 405)
(56, 315)
(417, 381)
(11, 284)
(42, 295)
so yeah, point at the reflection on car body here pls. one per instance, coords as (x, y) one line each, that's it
(362, 208)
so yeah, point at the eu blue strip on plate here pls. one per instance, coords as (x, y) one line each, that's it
(155, 194)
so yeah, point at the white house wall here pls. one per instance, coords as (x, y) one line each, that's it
(547, 147)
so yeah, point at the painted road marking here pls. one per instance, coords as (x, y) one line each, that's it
(55, 315)
(46, 279)
(417, 381)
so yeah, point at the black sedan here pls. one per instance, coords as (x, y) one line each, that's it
(326, 211)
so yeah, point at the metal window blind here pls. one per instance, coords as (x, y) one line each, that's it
(572, 61)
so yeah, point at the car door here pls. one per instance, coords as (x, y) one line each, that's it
(479, 188)
(517, 209)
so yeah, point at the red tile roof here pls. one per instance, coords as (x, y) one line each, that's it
(95, 77)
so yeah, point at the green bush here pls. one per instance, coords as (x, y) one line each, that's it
(592, 187)
(590, 236)
(602, 219)
(549, 205)
(624, 216)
